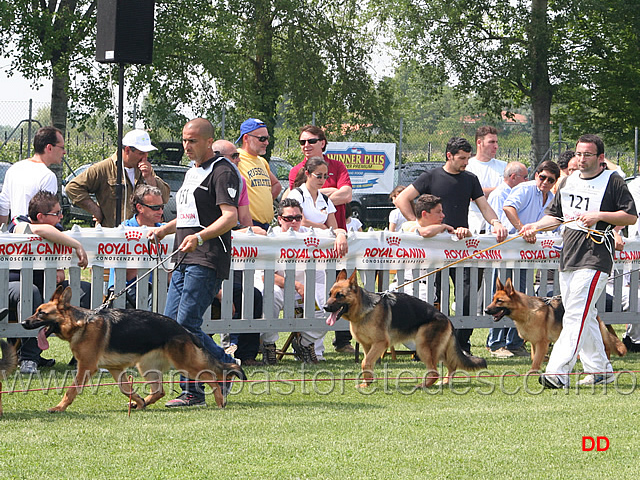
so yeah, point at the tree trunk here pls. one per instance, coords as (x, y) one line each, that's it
(541, 89)
(59, 106)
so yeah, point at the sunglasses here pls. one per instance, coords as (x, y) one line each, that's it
(321, 176)
(585, 154)
(311, 141)
(55, 214)
(291, 218)
(545, 178)
(155, 208)
(232, 156)
(261, 139)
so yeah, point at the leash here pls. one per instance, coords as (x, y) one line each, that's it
(113, 296)
(474, 254)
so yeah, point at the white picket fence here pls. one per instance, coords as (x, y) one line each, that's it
(375, 275)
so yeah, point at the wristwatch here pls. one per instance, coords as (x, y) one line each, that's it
(200, 241)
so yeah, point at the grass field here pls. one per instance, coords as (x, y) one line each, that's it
(500, 426)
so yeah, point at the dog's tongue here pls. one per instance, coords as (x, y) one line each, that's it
(332, 318)
(43, 343)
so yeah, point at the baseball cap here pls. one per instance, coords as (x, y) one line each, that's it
(249, 126)
(138, 139)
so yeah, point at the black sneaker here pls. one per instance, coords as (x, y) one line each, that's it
(632, 347)
(269, 353)
(305, 353)
(548, 381)
(46, 362)
(186, 400)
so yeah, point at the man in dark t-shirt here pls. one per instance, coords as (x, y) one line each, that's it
(457, 188)
(207, 210)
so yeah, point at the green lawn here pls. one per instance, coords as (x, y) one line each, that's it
(494, 427)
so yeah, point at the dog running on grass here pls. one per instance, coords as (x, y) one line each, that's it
(378, 320)
(116, 339)
(539, 321)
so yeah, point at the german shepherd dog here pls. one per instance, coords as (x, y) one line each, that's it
(539, 321)
(378, 320)
(8, 364)
(116, 339)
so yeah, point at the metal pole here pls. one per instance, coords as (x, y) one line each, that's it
(119, 153)
(559, 139)
(635, 153)
(400, 147)
(29, 128)
(313, 118)
(224, 119)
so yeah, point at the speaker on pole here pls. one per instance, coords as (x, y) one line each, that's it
(125, 31)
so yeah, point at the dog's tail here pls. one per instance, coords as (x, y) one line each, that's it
(456, 359)
(612, 344)
(9, 359)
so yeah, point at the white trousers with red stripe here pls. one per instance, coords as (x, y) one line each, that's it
(580, 332)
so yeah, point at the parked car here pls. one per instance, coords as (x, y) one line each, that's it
(373, 209)
(172, 174)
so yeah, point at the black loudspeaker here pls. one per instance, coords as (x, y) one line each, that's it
(125, 31)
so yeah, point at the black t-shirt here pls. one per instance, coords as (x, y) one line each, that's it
(456, 192)
(205, 188)
(579, 250)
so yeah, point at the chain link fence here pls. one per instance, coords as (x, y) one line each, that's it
(422, 141)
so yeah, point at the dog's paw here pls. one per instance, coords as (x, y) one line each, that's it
(55, 409)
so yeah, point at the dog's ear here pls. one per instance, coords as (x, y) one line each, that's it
(498, 284)
(508, 287)
(342, 275)
(353, 279)
(65, 298)
(56, 295)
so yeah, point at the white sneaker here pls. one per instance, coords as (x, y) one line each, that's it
(597, 379)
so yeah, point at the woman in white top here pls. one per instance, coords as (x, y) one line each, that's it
(317, 209)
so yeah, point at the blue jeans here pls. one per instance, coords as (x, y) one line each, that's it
(191, 293)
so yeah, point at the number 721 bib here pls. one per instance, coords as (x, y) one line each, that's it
(579, 196)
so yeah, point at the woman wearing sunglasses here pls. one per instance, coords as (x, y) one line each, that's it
(337, 185)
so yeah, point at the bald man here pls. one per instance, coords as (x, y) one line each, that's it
(207, 205)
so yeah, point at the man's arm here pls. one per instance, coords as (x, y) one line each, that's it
(403, 202)
(276, 187)
(548, 222)
(490, 216)
(339, 196)
(222, 225)
(513, 217)
(150, 178)
(92, 207)
(51, 233)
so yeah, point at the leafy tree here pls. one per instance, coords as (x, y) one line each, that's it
(49, 40)
(508, 53)
(605, 95)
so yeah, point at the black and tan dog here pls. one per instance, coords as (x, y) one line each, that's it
(116, 339)
(539, 321)
(378, 320)
(8, 364)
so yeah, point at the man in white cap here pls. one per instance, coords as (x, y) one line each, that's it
(100, 179)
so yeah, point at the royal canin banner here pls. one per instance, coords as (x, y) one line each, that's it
(390, 250)
(105, 247)
(128, 247)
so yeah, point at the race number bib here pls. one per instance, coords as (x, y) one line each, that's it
(187, 211)
(580, 196)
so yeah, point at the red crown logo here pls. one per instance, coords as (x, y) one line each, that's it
(547, 243)
(133, 235)
(472, 243)
(393, 241)
(34, 238)
(311, 241)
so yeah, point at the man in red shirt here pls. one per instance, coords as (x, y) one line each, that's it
(337, 187)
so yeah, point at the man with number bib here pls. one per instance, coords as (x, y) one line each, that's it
(591, 201)
(206, 212)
